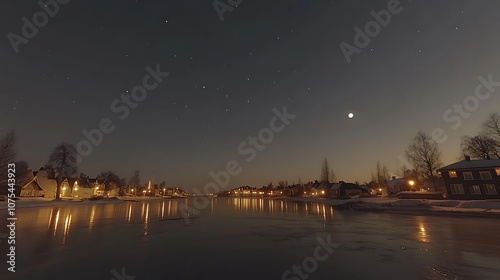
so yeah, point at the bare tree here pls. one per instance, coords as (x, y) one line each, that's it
(110, 180)
(135, 180)
(425, 157)
(333, 177)
(480, 147)
(62, 163)
(270, 185)
(382, 175)
(282, 184)
(403, 171)
(327, 174)
(491, 127)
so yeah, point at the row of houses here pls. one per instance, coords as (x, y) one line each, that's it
(41, 185)
(464, 180)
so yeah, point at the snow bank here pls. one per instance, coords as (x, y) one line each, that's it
(482, 204)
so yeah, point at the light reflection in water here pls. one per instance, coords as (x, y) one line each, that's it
(67, 225)
(147, 213)
(146, 220)
(422, 234)
(50, 217)
(56, 221)
(129, 213)
(212, 208)
(264, 205)
(163, 209)
(92, 216)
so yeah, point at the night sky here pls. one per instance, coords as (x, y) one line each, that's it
(227, 76)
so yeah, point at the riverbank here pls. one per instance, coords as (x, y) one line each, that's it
(30, 202)
(463, 207)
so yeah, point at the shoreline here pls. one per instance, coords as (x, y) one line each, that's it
(33, 202)
(457, 208)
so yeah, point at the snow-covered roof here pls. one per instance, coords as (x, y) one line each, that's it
(396, 182)
(470, 164)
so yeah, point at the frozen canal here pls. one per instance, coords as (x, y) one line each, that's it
(245, 238)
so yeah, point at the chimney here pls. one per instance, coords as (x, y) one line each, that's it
(393, 177)
(467, 158)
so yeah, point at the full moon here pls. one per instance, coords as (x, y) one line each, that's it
(350, 115)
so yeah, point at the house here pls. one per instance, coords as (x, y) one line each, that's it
(40, 185)
(397, 185)
(367, 189)
(472, 179)
(32, 189)
(322, 189)
(98, 187)
(78, 188)
(343, 189)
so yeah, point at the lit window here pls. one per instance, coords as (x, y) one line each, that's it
(453, 174)
(498, 171)
(485, 175)
(468, 176)
(475, 189)
(490, 189)
(457, 188)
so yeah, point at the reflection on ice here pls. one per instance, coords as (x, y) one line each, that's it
(421, 235)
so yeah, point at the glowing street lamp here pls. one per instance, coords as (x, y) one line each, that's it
(411, 182)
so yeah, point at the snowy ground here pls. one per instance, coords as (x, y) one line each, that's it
(486, 207)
